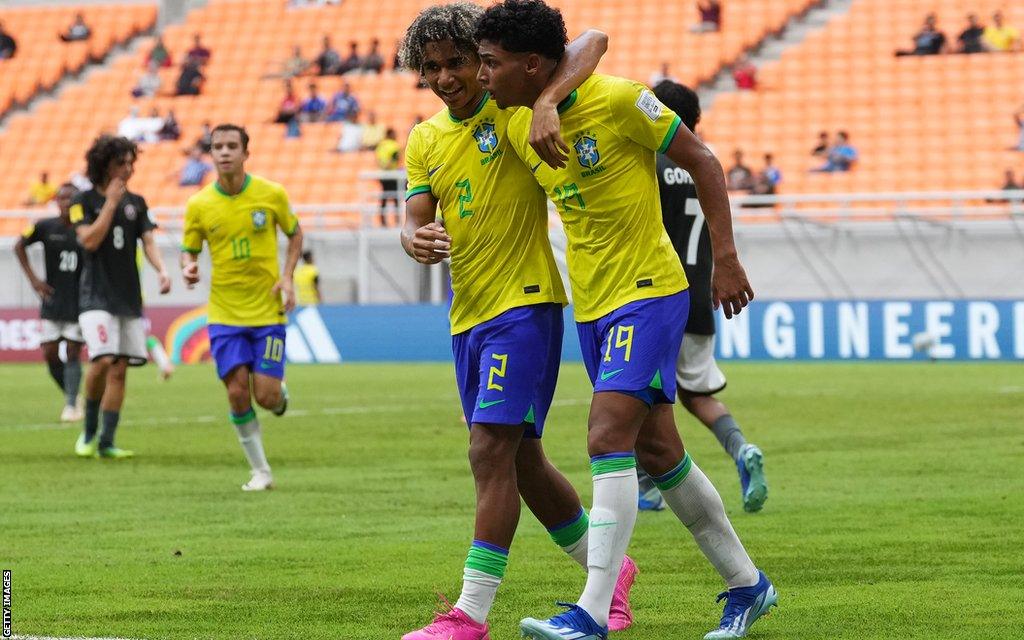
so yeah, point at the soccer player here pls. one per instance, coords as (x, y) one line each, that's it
(307, 281)
(59, 294)
(630, 303)
(697, 374)
(109, 222)
(238, 216)
(506, 314)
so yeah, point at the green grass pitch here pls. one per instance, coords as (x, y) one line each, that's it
(896, 508)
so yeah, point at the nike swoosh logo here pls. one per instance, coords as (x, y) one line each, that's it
(434, 170)
(598, 525)
(484, 405)
(610, 374)
(533, 169)
(266, 365)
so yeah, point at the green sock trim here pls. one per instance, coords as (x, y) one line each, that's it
(600, 466)
(248, 416)
(672, 479)
(486, 561)
(570, 534)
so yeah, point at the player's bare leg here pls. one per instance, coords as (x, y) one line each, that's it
(248, 428)
(555, 503)
(270, 393)
(713, 413)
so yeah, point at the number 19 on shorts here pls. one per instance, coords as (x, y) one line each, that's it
(274, 349)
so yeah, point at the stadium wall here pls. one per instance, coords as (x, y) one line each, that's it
(840, 330)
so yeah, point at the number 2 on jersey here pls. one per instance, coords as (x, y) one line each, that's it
(465, 197)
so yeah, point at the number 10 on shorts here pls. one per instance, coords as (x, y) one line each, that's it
(274, 349)
(623, 336)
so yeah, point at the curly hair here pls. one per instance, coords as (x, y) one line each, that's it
(681, 99)
(525, 26)
(104, 149)
(456, 22)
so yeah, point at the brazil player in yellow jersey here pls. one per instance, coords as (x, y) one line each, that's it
(630, 303)
(238, 216)
(506, 315)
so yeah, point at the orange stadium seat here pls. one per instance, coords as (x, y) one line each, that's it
(238, 90)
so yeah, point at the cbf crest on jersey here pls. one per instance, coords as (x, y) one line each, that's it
(259, 220)
(485, 136)
(587, 153)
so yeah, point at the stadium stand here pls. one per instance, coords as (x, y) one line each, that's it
(42, 60)
(238, 88)
(919, 123)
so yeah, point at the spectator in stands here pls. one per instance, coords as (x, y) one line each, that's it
(41, 191)
(1009, 181)
(373, 132)
(387, 160)
(195, 169)
(745, 74)
(821, 149)
(769, 178)
(929, 41)
(198, 53)
(350, 138)
(190, 82)
(373, 62)
(710, 16)
(328, 60)
(205, 139)
(77, 31)
(353, 62)
(295, 65)
(314, 108)
(344, 105)
(8, 46)
(159, 54)
(1018, 117)
(396, 59)
(660, 76)
(170, 130)
(288, 110)
(149, 82)
(739, 177)
(841, 156)
(970, 38)
(138, 128)
(1001, 37)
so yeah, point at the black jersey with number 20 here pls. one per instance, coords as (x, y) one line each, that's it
(684, 221)
(110, 274)
(62, 255)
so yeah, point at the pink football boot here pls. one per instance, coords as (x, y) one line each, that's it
(620, 616)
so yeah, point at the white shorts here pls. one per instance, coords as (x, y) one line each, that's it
(56, 330)
(696, 370)
(110, 335)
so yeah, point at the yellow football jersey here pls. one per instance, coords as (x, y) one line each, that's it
(607, 195)
(305, 284)
(242, 233)
(493, 210)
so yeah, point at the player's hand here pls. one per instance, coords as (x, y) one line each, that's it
(729, 285)
(44, 290)
(546, 135)
(286, 287)
(190, 273)
(116, 189)
(165, 282)
(431, 244)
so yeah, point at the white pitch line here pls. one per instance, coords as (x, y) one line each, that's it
(52, 638)
(295, 413)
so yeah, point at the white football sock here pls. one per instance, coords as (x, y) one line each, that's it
(611, 526)
(478, 591)
(252, 443)
(698, 506)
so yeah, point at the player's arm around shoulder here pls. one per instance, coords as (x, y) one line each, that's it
(729, 284)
